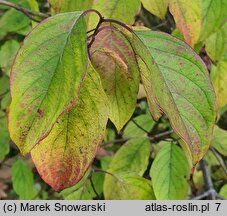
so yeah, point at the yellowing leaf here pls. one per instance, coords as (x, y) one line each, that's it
(111, 9)
(46, 77)
(156, 7)
(64, 156)
(219, 80)
(127, 186)
(121, 10)
(182, 89)
(188, 18)
(113, 57)
(60, 6)
(169, 173)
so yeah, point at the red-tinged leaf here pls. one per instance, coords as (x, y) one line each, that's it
(114, 59)
(46, 77)
(64, 156)
(188, 18)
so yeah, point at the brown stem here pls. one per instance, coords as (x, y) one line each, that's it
(25, 11)
(207, 180)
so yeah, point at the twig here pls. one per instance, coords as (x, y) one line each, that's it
(155, 138)
(25, 11)
(207, 180)
(160, 136)
(93, 188)
(140, 127)
(204, 195)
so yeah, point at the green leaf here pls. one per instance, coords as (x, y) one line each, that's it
(223, 191)
(158, 8)
(133, 131)
(5, 101)
(13, 20)
(81, 191)
(4, 85)
(111, 9)
(220, 140)
(118, 9)
(113, 57)
(131, 157)
(213, 16)
(169, 173)
(219, 78)
(181, 88)
(188, 16)
(216, 44)
(65, 155)
(127, 186)
(22, 179)
(7, 54)
(4, 138)
(46, 77)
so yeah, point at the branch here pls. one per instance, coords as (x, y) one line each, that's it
(207, 180)
(25, 11)
(154, 138)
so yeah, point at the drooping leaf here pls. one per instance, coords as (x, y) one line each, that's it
(219, 79)
(181, 87)
(113, 57)
(131, 157)
(158, 8)
(187, 15)
(143, 56)
(64, 156)
(22, 178)
(7, 53)
(213, 15)
(46, 77)
(133, 131)
(220, 140)
(169, 173)
(127, 186)
(216, 44)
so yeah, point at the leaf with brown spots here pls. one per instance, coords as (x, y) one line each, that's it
(64, 156)
(46, 77)
(181, 88)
